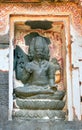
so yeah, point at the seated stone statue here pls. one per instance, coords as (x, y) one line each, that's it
(37, 73)
(35, 70)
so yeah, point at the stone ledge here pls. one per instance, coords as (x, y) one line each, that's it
(41, 125)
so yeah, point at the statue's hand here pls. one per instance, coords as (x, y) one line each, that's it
(54, 87)
(29, 70)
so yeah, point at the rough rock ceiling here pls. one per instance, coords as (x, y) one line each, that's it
(75, 1)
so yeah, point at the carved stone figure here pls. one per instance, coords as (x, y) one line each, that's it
(36, 71)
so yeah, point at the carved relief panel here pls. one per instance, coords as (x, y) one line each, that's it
(33, 97)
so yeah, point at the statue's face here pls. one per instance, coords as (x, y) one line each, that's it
(39, 46)
(39, 52)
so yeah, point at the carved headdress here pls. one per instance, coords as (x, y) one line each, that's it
(35, 41)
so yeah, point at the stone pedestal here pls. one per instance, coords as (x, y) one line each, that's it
(39, 114)
(39, 109)
(44, 104)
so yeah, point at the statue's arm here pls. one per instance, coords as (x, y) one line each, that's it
(28, 68)
(51, 75)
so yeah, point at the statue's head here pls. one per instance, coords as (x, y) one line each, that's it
(39, 47)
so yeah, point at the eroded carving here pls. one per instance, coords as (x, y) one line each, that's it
(37, 73)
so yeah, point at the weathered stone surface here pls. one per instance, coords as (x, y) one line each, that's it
(40, 104)
(3, 78)
(41, 125)
(16, 8)
(39, 114)
(57, 96)
(3, 96)
(4, 46)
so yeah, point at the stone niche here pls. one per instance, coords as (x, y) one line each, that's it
(42, 107)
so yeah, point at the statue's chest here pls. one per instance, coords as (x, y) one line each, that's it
(39, 69)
